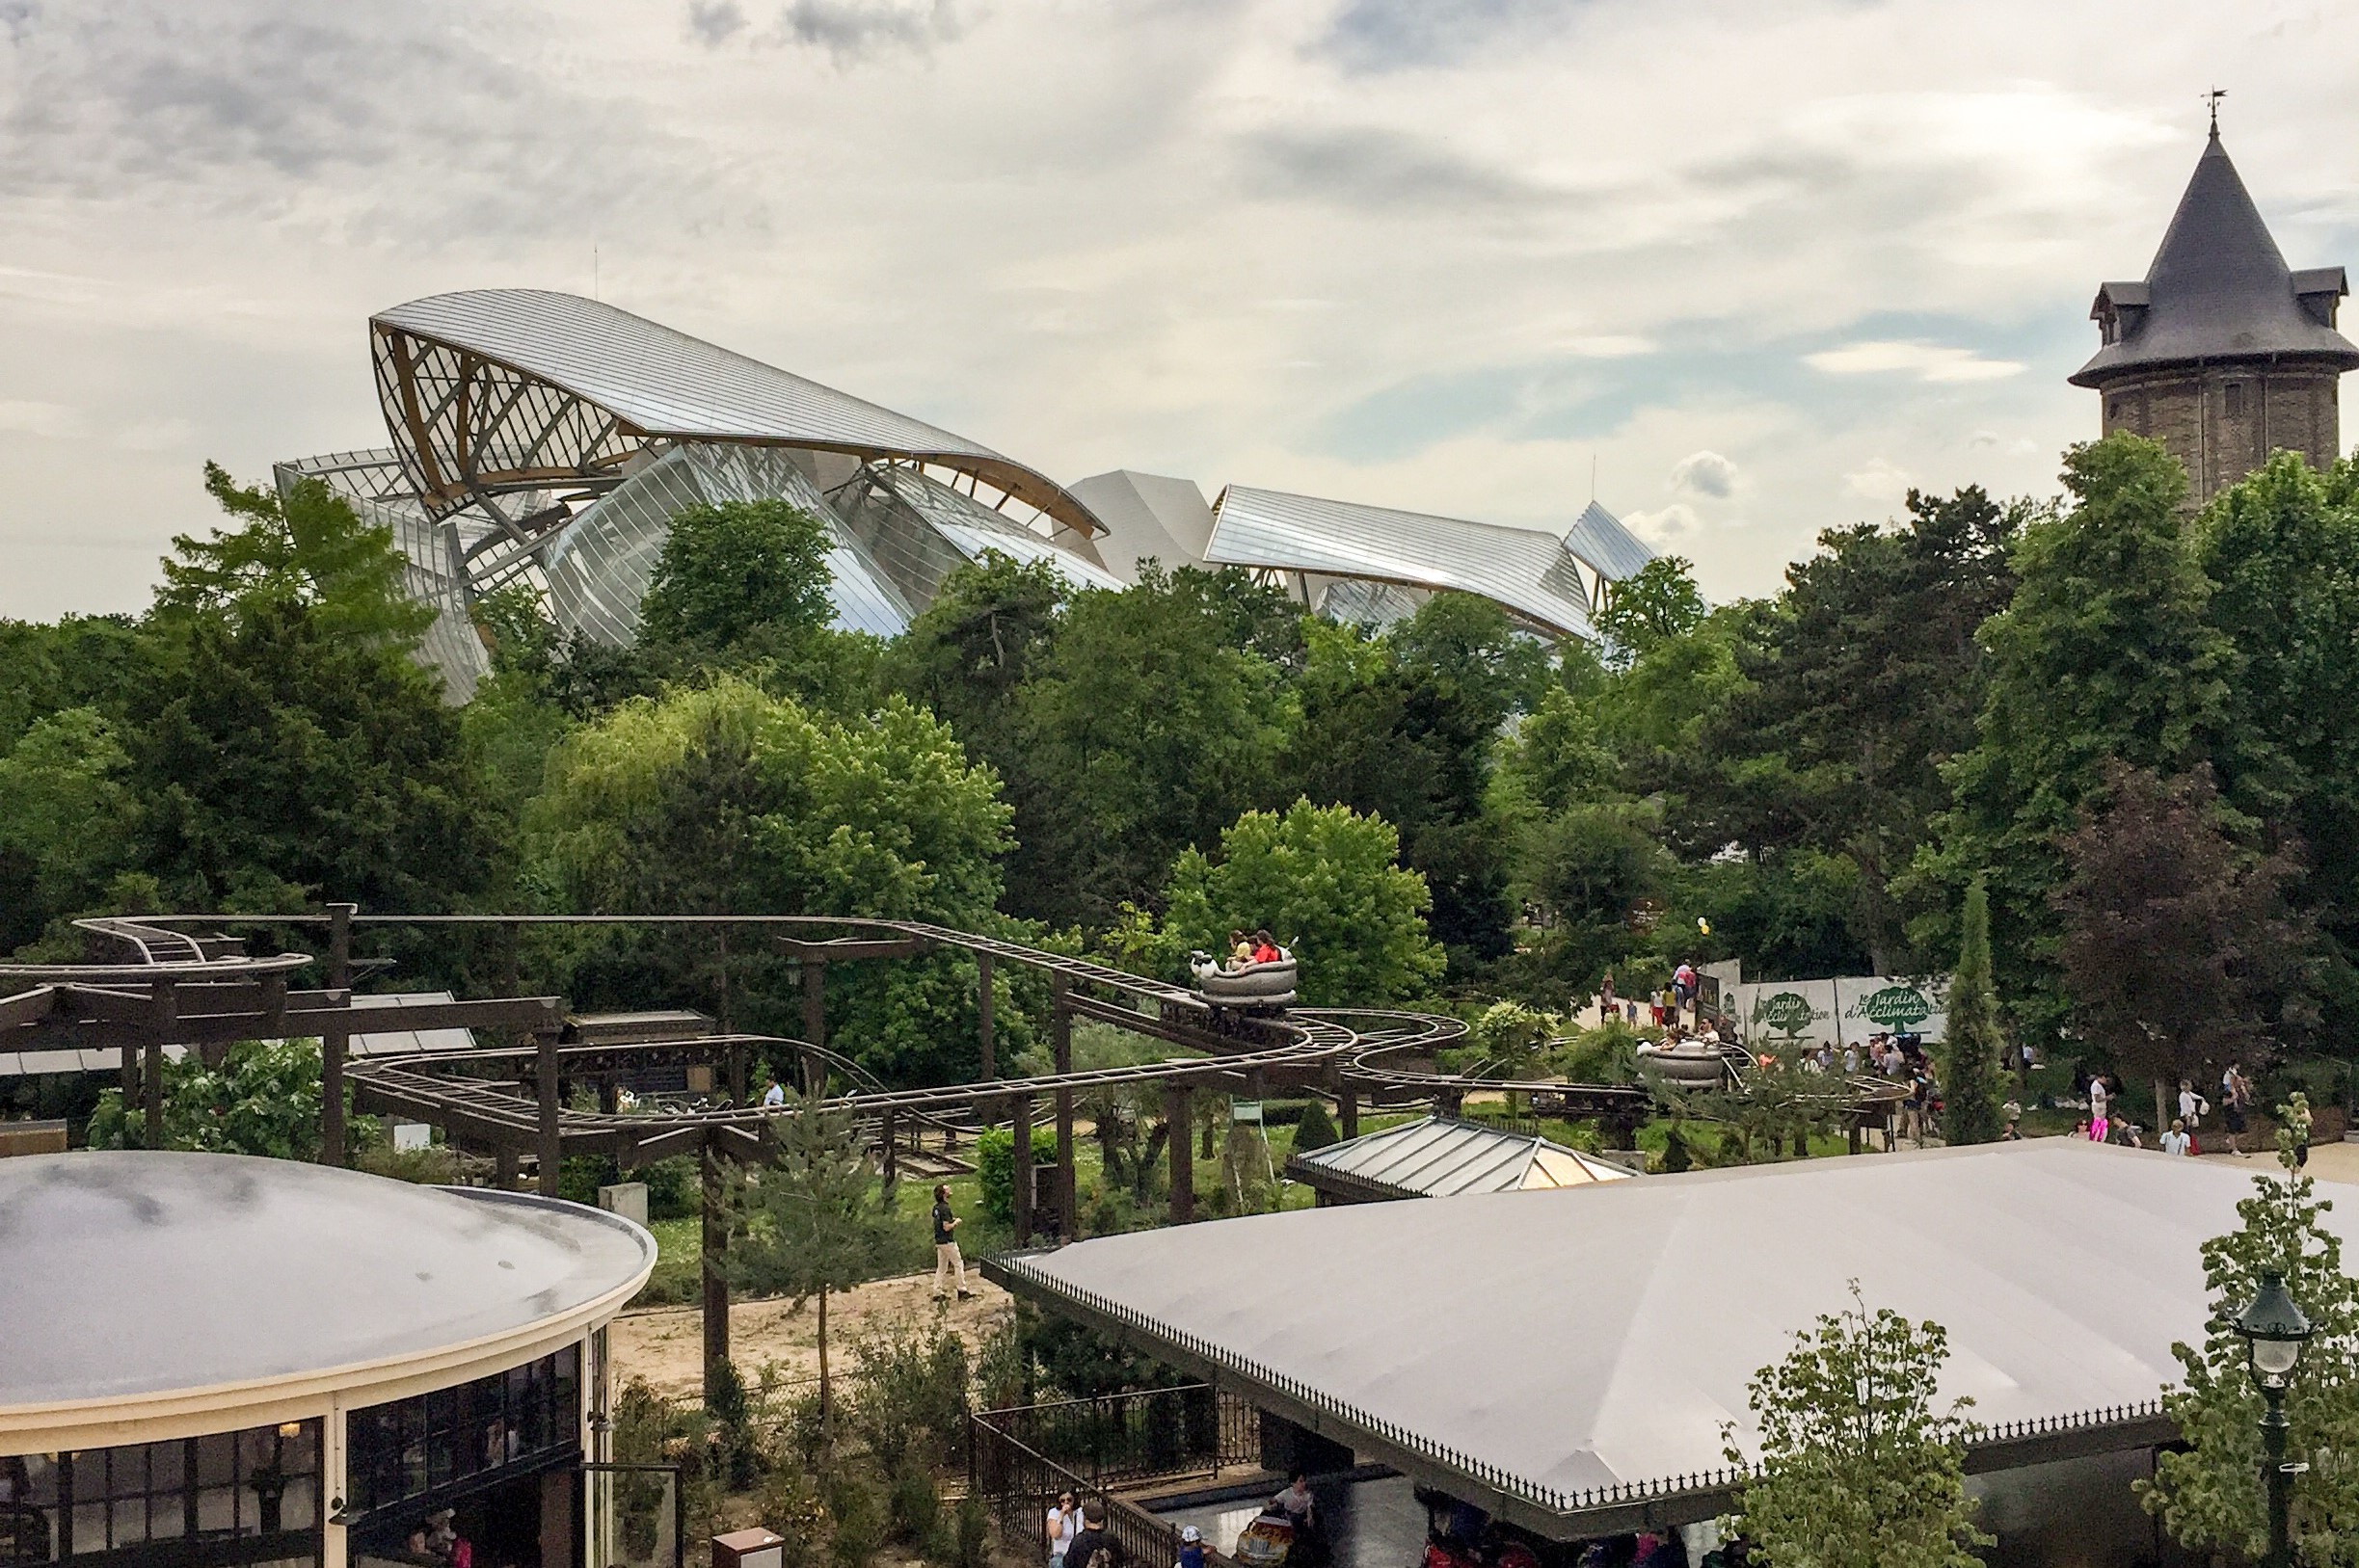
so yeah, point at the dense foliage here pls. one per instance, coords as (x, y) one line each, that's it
(2208, 1493)
(1858, 1468)
(1442, 808)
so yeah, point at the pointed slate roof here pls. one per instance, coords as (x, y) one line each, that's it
(2218, 289)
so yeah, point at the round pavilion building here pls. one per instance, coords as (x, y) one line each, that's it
(209, 1361)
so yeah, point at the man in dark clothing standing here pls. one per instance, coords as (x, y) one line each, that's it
(1091, 1547)
(947, 1260)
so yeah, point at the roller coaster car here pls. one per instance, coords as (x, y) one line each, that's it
(1688, 1064)
(1266, 1542)
(1247, 985)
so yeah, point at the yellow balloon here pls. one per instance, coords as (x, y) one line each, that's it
(1703, 925)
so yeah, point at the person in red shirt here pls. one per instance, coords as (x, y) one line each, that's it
(1265, 949)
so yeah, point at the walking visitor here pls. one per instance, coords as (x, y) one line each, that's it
(1064, 1523)
(2099, 1127)
(947, 1260)
(2235, 1099)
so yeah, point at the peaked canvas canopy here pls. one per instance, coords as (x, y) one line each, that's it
(1555, 1355)
(1437, 1156)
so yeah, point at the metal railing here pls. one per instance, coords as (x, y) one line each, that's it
(1020, 1459)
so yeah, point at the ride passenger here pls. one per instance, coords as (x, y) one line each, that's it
(1265, 947)
(1240, 948)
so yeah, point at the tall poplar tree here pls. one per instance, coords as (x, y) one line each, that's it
(1975, 1045)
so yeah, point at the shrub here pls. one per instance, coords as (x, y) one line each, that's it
(675, 1187)
(914, 1504)
(1605, 1054)
(969, 1535)
(434, 1165)
(790, 1507)
(994, 1166)
(859, 1516)
(1316, 1129)
(909, 1399)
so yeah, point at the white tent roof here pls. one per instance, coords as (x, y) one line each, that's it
(1566, 1345)
(1436, 1157)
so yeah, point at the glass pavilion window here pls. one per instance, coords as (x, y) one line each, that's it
(524, 1417)
(225, 1498)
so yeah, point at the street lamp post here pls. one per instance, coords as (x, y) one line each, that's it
(2275, 1328)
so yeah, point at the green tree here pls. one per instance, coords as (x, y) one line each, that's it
(1655, 605)
(809, 1223)
(1590, 869)
(67, 822)
(2208, 1494)
(2102, 653)
(735, 572)
(1974, 1046)
(1324, 881)
(1866, 679)
(2281, 551)
(309, 548)
(727, 798)
(1150, 724)
(262, 1100)
(2179, 953)
(1856, 1468)
(274, 756)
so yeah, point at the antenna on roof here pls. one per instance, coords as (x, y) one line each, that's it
(593, 269)
(2213, 98)
(1593, 479)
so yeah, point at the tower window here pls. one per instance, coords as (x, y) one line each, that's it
(2232, 394)
(2115, 410)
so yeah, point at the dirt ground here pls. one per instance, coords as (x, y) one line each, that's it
(667, 1344)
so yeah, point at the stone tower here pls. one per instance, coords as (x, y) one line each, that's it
(2221, 353)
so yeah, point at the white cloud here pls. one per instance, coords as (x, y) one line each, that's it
(156, 436)
(1705, 473)
(1926, 361)
(54, 420)
(1188, 238)
(1880, 480)
(1666, 526)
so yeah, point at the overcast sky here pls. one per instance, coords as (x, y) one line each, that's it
(1763, 264)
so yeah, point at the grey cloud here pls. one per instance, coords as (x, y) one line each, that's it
(852, 28)
(1391, 35)
(17, 16)
(399, 118)
(715, 22)
(1374, 168)
(1705, 473)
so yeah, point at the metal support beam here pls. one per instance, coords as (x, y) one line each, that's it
(1060, 1041)
(1020, 1169)
(334, 1042)
(1179, 1115)
(503, 1168)
(714, 1252)
(551, 1142)
(1347, 1107)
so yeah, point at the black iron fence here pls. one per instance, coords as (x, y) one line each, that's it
(1019, 1459)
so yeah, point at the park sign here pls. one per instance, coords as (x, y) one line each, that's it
(1881, 1004)
(1842, 1011)
(1788, 1012)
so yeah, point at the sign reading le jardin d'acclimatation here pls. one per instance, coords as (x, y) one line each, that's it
(1847, 1009)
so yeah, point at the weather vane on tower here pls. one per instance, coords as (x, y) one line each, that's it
(2213, 98)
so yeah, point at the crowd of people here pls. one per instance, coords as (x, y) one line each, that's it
(2108, 1122)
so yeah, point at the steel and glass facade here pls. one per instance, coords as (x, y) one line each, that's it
(547, 441)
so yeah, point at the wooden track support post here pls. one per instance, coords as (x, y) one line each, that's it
(1179, 1115)
(333, 1043)
(164, 1022)
(1347, 1110)
(551, 1149)
(1061, 1040)
(814, 1025)
(986, 1004)
(715, 1251)
(1020, 1169)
